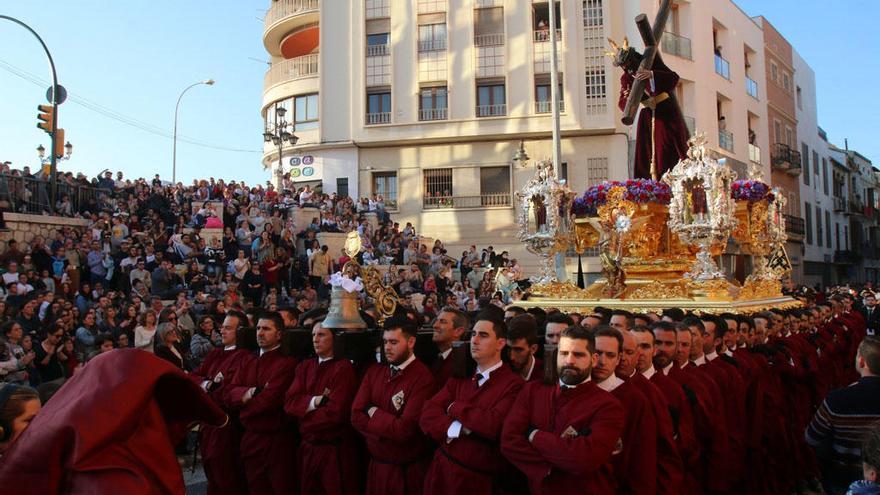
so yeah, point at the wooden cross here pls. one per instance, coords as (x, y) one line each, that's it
(651, 38)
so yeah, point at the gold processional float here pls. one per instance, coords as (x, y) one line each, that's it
(658, 239)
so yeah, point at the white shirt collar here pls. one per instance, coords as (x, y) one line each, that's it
(488, 371)
(700, 360)
(712, 355)
(445, 354)
(403, 365)
(531, 368)
(610, 383)
(728, 353)
(683, 366)
(668, 367)
(229, 348)
(264, 351)
(648, 373)
(321, 360)
(563, 385)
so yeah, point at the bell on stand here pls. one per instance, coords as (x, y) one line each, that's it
(344, 313)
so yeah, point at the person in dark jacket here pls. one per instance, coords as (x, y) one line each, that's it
(167, 336)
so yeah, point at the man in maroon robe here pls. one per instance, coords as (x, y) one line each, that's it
(669, 465)
(562, 436)
(220, 446)
(465, 417)
(320, 398)
(661, 134)
(522, 344)
(386, 412)
(635, 466)
(449, 326)
(257, 393)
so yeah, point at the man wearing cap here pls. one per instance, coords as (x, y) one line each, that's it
(386, 412)
(466, 415)
(220, 446)
(320, 397)
(257, 393)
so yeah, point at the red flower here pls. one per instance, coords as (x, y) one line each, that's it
(649, 186)
(601, 187)
(747, 186)
(735, 186)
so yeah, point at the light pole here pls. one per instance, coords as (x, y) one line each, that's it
(41, 152)
(277, 134)
(209, 82)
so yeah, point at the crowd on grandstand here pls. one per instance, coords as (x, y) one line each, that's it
(669, 402)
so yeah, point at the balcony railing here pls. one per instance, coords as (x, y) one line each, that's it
(480, 4)
(751, 87)
(839, 204)
(691, 124)
(786, 159)
(542, 35)
(378, 118)
(291, 69)
(846, 257)
(491, 110)
(546, 106)
(481, 201)
(431, 6)
(856, 208)
(29, 195)
(432, 45)
(432, 114)
(722, 67)
(677, 45)
(286, 8)
(725, 139)
(794, 225)
(377, 50)
(494, 39)
(754, 153)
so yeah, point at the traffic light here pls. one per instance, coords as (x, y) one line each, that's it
(59, 143)
(46, 117)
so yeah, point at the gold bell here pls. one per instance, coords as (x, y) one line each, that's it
(344, 312)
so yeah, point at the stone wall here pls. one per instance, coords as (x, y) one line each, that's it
(23, 227)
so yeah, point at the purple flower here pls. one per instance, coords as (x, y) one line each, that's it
(637, 190)
(750, 190)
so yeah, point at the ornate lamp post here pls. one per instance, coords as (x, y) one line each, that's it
(277, 133)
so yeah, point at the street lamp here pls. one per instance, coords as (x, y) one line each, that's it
(41, 152)
(277, 133)
(209, 82)
(520, 155)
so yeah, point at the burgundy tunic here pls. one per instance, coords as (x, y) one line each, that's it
(328, 456)
(578, 430)
(268, 444)
(635, 467)
(683, 422)
(220, 446)
(470, 463)
(400, 452)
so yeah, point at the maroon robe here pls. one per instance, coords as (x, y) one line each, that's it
(578, 430)
(470, 463)
(732, 389)
(669, 469)
(328, 457)
(442, 370)
(400, 452)
(635, 467)
(670, 135)
(268, 444)
(683, 424)
(220, 446)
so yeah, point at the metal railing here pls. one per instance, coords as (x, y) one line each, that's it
(432, 114)
(751, 87)
(542, 35)
(794, 225)
(493, 39)
(856, 207)
(725, 139)
(491, 110)
(31, 195)
(546, 106)
(846, 256)
(839, 204)
(377, 50)
(430, 6)
(677, 45)
(292, 69)
(722, 67)
(480, 4)
(432, 45)
(691, 124)
(378, 118)
(754, 153)
(483, 200)
(286, 8)
(785, 158)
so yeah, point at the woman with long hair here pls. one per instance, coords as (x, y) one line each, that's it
(144, 333)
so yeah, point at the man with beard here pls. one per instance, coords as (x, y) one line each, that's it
(562, 436)
(449, 326)
(669, 465)
(522, 344)
(220, 446)
(386, 412)
(320, 398)
(679, 409)
(257, 393)
(635, 466)
(466, 415)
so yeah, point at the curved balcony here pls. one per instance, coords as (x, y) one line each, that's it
(291, 70)
(286, 16)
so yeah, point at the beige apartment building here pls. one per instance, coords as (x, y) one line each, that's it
(426, 101)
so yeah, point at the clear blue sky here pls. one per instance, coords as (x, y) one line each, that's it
(134, 58)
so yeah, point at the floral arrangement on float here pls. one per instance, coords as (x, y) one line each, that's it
(638, 191)
(750, 191)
